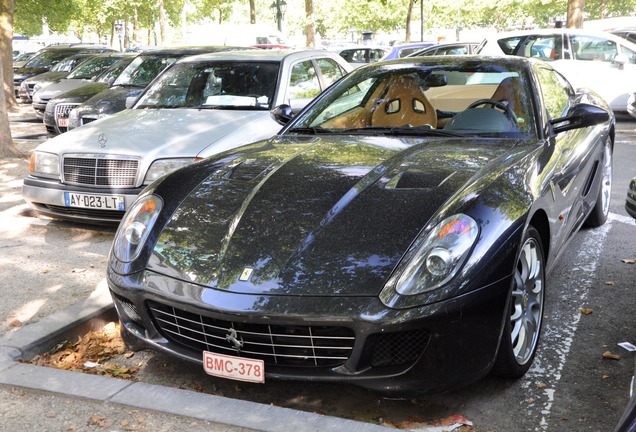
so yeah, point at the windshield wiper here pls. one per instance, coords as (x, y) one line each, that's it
(399, 130)
(309, 131)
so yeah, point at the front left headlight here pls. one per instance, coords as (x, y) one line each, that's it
(45, 165)
(439, 256)
(162, 167)
(135, 227)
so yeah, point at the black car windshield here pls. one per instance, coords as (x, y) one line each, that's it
(214, 85)
(142, 70)
(114, 71)
(92, 67)
(46, 59)
(464, 98)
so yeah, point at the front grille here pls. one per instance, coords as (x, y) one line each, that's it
(86, 120)
(400, 348)
(63, 110)
(95, 171)
(301, 346)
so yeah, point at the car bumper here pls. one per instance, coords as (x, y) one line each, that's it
(427, 349)
(48, 197)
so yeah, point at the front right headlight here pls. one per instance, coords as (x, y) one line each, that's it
(135, 227)
(45, 164)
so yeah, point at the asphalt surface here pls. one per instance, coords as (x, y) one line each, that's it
(48, 290)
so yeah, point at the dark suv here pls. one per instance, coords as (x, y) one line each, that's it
(132, 81)
(48, 57)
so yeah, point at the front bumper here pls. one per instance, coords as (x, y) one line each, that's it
(48, 198)
(631, 105)
(428, 349)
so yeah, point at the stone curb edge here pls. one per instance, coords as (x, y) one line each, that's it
(92, 313)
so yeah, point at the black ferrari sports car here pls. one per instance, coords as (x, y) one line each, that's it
(397, 234)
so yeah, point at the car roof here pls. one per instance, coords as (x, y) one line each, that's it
(188, 50)
(551, 31)
(259, 55)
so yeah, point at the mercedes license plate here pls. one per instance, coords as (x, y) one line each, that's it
(100, 202)
(236, 368)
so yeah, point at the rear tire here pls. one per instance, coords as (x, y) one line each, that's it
(599, 213)
(522, 327)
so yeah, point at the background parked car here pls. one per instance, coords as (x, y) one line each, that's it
(358, 56)
(405, 49)
(132, 81)
(79, 76)
(47, 57)
(20, 59)
(57, 72)
(452, 48)
(199, 106)
(58, 108)
(601, 61)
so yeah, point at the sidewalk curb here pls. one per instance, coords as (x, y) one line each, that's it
(92, 313)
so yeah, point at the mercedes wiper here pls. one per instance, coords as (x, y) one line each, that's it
(399, 130)
(309, 130)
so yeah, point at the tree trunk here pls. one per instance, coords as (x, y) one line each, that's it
(6, 53)
(7, 149)
(575, 13)
(309, 24)
(409, 14)
(162, 22)
(252, 11)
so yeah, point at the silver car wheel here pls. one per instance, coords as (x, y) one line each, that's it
(606, 186)
(527, 302)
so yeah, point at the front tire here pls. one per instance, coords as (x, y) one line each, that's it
(523, 320)
(599, 213)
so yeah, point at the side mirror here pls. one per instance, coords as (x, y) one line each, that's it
(580, 116)
(130, 101)
(282, 114)
(621, 60)
(111, 80)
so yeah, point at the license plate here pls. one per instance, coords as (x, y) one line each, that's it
(101, 202)
(235, 368)
(62, 122)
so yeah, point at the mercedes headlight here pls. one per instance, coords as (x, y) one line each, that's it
(45, 164)
(135, 227)
(162, 167)
(439, 256)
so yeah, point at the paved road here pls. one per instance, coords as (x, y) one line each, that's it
(570, 387)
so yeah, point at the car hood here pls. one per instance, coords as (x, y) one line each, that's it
(324, 217)
(62, 86)
(47, 76)
(165, 133)
(109, 101)
(25, 72)
(82, 94)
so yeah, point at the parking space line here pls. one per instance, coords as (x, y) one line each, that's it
(559, 330)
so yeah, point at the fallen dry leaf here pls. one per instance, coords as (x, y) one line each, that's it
(610, 283)
(629, 260)
(585, 311)
(541, 386)
(610, 356)
(14, 323)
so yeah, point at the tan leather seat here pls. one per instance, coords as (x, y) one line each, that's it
(510, 92)
(403, 103)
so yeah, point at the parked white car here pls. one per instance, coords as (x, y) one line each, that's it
(199, 106)
(597, 60)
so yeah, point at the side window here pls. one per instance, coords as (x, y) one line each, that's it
(330, 70)
(555, 92)
(509, 45)
(631, 55)
(593, 48)
(303, 85)
(543, 47)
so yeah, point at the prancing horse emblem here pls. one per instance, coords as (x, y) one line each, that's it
(232, 338)
(101, 139)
